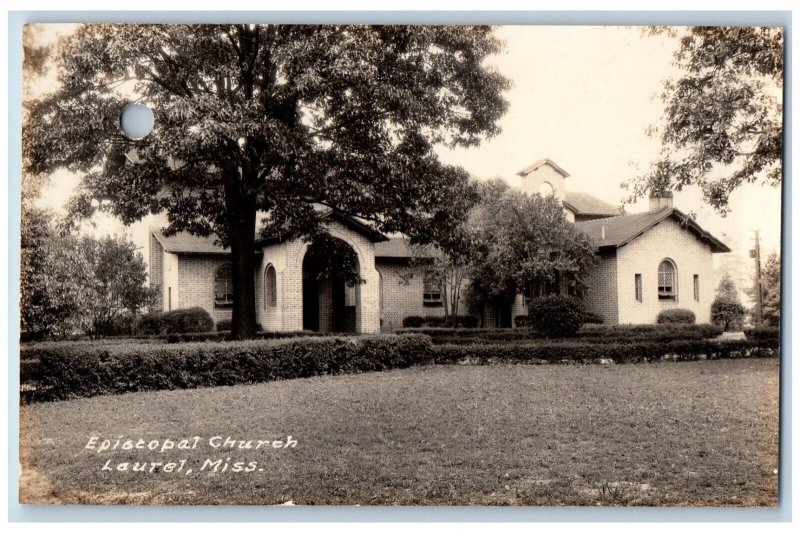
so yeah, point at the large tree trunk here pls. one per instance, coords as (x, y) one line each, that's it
(241, 225)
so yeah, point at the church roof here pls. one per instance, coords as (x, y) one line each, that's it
(582, 203)
(533, 166)
(186, 243)
(614, 232)
(395, 247)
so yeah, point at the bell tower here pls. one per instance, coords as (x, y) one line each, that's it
(544, 177)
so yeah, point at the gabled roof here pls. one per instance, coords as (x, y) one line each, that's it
(614, 232)
(533, 166)
(186, 243)
(582, 203)
(395, 247)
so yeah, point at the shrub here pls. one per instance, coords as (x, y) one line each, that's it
(150, 324)
(628, 352)
(123, 324)
(413, 322)
(64, 371)
(592, 318)
(191, 320)
(226, 324)
(675, 316)
(727, 313)
(461, 321)
(556, 316)
(522, 321)
(762, 333)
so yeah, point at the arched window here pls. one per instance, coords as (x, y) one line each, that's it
(270, 287)
(667, 281)
(223, 286)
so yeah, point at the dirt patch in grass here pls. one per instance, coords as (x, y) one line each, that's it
(701, 433)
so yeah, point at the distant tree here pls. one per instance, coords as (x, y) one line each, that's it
(727, 310)
(273, 119)
(771, 284)
(524, 242)
(722, 125)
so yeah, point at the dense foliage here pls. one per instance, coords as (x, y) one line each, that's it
(270, 118)
(722, 125)
(727, 309)
(624, 352)
(556, 316)
(524, 243)
(73, 284)
(62, 371)
(190, 320)
(460, 321)
(676, 316)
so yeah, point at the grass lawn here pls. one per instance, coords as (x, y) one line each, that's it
(700, 433)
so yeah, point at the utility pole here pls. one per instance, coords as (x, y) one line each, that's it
(756, 254)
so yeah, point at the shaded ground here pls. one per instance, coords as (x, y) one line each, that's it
(701, 433)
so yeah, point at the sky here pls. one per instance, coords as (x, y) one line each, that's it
(584, 97)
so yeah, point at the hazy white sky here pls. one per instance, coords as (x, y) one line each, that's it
(582, 96)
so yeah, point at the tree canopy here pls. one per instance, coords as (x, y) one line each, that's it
(270, 119)
(524, 241)
(722, 124)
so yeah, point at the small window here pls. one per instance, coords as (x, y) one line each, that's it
(667, 286)
(432, 292)
(169, 298)
(697, 287)
(223, 287)
(638, 286)
(270, 287)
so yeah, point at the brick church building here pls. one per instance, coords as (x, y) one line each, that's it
(649, 262)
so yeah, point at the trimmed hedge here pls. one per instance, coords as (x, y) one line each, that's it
(191, 320)
(631, 352)
(557, 316)
(218, 336)
(675, 316)
(589, 333)
(462, 321)
(226, 324)
(63, 372)
(762, 333)
(413, 321)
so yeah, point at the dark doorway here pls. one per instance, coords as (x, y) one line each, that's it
(310, 304)
(329, 303)
(503, 315)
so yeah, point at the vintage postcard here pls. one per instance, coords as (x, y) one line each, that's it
(401, 265)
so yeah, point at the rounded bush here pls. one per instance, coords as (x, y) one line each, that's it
(727, 313)
(557, 316)
(413, 321)
(522, 321)
(676, 316)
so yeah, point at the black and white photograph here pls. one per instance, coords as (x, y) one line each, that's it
(401, 265)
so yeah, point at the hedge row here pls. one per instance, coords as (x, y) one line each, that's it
(762, 333)
(191, 320)
(218, 336)
(59, 373)
(635, 352)
(462, 321)
(589, 333)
